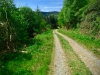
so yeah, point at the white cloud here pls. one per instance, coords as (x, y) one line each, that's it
(45, 7)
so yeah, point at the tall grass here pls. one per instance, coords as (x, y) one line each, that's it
(88, 42)
(35, 62)
(77, 67)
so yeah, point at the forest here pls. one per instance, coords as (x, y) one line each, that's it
(84, 15)
(25, 34)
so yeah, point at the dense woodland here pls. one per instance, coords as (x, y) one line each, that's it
(82, 14)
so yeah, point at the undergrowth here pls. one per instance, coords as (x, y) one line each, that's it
(35, 62)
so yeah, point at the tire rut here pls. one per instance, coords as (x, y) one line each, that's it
(91, 61)
(60, 63)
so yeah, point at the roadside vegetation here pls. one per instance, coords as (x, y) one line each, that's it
(88, 42)
(26, 40)
(77, 67)
(81, 14)
(35, 61)
(18, 25)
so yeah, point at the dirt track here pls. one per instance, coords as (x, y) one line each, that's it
(91, 61)
(60, 65)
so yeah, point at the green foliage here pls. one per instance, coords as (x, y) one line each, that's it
(18, 24)
(35, 62)
(91, 24)
(70, 13)
(40, 22)
(98, 19)
(30, 18)
(13, 26)
(61, 19)
(81, 14)
(52, 20)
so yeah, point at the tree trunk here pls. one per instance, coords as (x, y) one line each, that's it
(8, 32)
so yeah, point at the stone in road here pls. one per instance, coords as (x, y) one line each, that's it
(60, 63)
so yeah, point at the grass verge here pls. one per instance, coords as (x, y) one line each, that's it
(87, 42)
(77, 67)
(35, 62)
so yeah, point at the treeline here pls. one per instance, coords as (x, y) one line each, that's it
(18, 25)
(83, 14)
(52, 21)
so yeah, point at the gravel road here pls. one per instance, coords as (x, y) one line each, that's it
(60, 63)
(91, 61)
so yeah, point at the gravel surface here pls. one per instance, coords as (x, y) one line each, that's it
(60, 63)
(91, 61)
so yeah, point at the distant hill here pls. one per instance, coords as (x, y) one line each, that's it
(49, 13)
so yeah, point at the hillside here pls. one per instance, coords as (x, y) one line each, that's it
(83, 15)
(49, 13)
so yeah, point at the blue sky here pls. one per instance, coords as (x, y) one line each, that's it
(44, 5)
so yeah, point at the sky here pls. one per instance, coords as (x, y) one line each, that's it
(44, 5)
